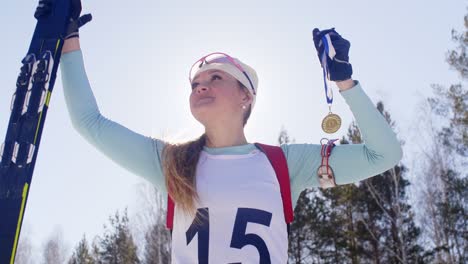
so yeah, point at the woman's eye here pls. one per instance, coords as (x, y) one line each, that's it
(213, 77)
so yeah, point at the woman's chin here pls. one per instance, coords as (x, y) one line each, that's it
(203, 112)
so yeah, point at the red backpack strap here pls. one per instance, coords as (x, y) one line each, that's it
(278, 161)
(170, 212)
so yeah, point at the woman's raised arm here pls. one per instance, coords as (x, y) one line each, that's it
(137, 153)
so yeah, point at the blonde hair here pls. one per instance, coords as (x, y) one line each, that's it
(179, 166)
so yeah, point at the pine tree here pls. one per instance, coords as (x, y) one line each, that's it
(54, 249)
(452, 195)
(158, 238)
(457, 58)
(82, 255)
(150, 226)
(316, 235)
(95, 250)
(301, 241)
(117, 245)
(157, 249)
(444, 198)
(339, 230)
(386, 220)
(305, 243)
(448, 226)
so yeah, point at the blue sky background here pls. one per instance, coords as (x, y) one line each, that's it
(138, 53)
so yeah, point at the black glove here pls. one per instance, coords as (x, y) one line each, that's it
(75, 20)
(338, 65)
(45, 7)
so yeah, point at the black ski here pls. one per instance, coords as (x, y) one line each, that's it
(29, 106)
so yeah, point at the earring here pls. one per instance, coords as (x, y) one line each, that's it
(243, 107)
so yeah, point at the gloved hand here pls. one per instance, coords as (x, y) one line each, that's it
(45, 6)
(339, 68)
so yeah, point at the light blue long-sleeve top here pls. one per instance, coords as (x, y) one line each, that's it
(142, 155)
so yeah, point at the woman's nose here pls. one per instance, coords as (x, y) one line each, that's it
(202, 87)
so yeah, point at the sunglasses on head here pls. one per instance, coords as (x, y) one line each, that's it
(217, 57)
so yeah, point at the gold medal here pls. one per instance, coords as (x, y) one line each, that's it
(331, 123)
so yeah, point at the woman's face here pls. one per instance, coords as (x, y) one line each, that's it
(217, 96)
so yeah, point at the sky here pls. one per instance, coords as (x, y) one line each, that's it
(137, 56)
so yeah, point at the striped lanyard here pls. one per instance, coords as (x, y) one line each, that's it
(329, 50)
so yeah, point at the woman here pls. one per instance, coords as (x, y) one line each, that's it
(220, 177)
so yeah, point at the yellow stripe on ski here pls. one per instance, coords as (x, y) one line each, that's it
(18, 226)
(37, 128)
(40, 116)
(47, 99)
(56, 47)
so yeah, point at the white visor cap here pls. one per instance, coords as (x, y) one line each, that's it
(236, 73)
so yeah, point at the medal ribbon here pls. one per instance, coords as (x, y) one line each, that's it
(328, 50)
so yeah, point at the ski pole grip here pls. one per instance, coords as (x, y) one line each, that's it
(43, 9)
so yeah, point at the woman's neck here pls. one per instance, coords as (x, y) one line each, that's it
(225, 138)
